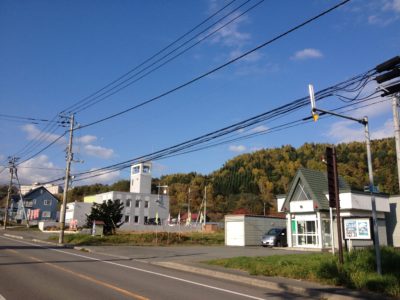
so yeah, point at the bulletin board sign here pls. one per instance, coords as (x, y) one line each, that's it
(357, 228)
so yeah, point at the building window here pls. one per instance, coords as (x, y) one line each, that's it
(28, 203)
(136, 219)
(46, 214)
(135, 169)
(137, 203)
(146, 169)
(127, 219)
(47, 202)
(305, 233)
(128, 203)
(300, 193)
(146, 204)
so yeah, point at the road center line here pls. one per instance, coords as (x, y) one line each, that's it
(85, 277)
(145, 271)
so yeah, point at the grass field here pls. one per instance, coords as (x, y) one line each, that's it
(147, 239)
(357, 272)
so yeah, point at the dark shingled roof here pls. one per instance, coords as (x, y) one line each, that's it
(316, 183)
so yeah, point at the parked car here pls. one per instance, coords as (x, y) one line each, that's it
(274, 237)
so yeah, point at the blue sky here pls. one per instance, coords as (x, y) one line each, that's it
(55, 53)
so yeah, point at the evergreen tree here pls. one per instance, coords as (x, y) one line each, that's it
(109, 212)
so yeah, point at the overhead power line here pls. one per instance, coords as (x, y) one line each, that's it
(219, 67)
(87, 99)
(50, 128)
(269, 115)
(134, 78)
(274, 129)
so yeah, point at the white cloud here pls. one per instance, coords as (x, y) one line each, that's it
(373, 110)
(159, 168)
(105, 178)
(254, 149)
(381, 13)
(308, 53)
(386, 131)
(86, 139)
(237, 148)
(392, 5)
(380, 21)
(260, 128)
(253, 57)
(98, 151)
(36, 134)
(349, 131)
(37, 169)
(231, 35)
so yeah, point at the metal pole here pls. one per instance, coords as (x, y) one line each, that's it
(11, 166)
(189, 214)
(395, 103)
(66, 181)
(373, 203)
(205, 205)
(332, 236)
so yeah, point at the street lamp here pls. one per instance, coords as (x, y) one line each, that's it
(363, 121)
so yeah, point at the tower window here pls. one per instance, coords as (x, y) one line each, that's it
(136, 169)
(146, 169)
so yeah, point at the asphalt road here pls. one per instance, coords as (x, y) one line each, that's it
(31, 271)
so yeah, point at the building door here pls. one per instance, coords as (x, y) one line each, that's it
(326, 233)
(306, 233)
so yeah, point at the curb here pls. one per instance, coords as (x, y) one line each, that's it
(280, 287)
(18, 237)
(101, 253)
(13, 236)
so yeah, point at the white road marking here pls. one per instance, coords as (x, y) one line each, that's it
(143, 270)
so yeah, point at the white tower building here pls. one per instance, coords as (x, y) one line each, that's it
(141, 178)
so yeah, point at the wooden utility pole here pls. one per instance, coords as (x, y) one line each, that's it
(395, 104)
(11, 164)
(66, 181)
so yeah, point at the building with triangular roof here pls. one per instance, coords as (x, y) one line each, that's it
(311, 222)
(38, 205)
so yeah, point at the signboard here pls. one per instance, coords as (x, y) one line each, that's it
(357, 229)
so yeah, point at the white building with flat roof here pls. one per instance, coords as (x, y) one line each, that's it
(140, 206)
(54, 189)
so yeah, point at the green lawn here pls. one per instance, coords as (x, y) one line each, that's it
(147, 239)
(358, 271)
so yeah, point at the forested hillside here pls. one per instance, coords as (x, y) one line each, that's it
(248, 181)
(251, 181)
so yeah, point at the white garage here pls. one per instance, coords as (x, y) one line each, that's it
(246, 230)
